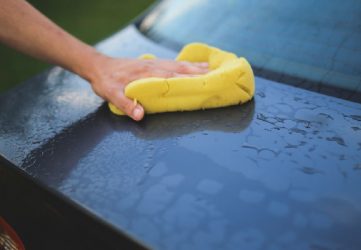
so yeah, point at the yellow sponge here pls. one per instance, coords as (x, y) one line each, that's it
(230, 81)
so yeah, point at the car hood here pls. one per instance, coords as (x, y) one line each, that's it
(283, 170)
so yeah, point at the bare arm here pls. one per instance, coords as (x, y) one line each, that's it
(27, 30)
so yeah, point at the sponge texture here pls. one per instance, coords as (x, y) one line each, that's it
(230, 81)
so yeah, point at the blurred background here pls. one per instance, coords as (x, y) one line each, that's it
(90, 21)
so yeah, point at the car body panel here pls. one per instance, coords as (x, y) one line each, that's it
(308, 44)
(282, 171)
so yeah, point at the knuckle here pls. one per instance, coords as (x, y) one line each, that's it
(127, 106)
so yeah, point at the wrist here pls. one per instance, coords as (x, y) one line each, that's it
(89, 64)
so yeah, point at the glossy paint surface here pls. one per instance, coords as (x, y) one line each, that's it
(281, 172)
(311, 44)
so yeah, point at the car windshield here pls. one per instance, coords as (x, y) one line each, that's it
(312, 44)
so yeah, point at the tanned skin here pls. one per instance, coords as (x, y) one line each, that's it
(24, 28)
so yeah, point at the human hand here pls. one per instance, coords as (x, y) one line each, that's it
(108, 76)
(112, 75)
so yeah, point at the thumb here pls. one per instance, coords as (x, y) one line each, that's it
(128, 106)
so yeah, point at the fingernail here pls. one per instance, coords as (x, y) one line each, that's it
(137, 112)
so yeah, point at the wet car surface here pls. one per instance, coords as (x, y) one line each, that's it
(282, 171)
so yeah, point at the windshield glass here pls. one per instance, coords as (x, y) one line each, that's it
(313, 44)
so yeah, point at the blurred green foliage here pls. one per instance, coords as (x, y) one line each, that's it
(91, 21)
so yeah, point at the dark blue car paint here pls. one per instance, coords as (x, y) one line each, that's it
(280, 172)
(309, 44)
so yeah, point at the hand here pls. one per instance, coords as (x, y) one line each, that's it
(112, 75)
(109, 76)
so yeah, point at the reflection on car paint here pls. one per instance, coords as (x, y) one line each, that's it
(280, 172)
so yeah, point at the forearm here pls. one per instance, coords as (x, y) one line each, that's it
(27, 30)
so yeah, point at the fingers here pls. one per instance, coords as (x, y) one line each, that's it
(183, 67)
(189, 68)
(202, 64)
(131, 108)
(120, 72)
(168, 74)
(177, 75)
(162, 68)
